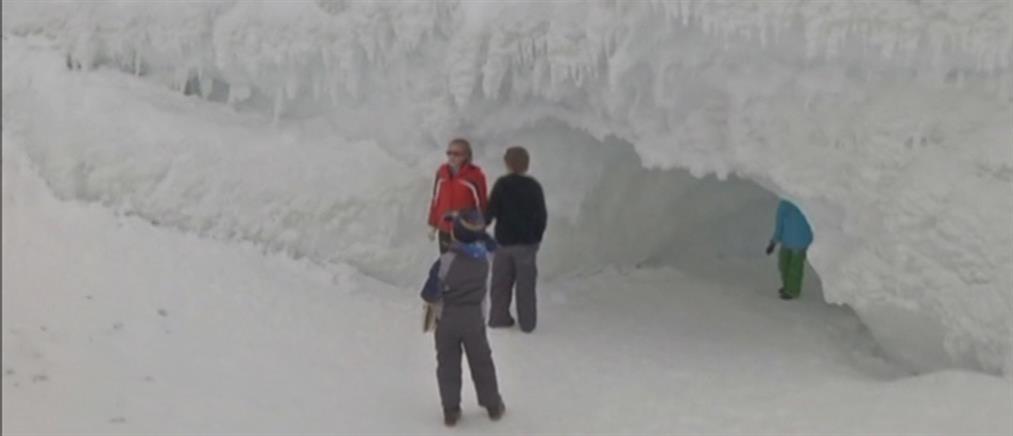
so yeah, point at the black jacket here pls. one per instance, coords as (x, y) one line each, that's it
(517, 204)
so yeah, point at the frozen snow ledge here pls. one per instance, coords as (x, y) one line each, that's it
(888, 122)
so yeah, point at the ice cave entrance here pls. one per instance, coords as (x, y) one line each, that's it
(608, 210)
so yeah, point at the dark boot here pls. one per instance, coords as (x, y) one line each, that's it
(451, 416)
(496, 412)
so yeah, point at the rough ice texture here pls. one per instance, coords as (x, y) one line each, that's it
(888, 122)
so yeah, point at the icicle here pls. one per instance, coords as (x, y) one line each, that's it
(979, 54)
(1004, 89)
(291, 85)
(207, 85)
(279, 97)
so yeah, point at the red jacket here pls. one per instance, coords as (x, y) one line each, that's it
(453, 193)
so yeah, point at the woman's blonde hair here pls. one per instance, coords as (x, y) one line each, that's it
(465, 145)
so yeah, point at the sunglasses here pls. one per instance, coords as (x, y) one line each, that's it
(455, 153)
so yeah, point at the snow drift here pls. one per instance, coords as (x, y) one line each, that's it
(887, 122)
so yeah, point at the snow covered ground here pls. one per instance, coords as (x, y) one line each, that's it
(114, 326)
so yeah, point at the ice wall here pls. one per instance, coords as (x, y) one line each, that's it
(888, 122)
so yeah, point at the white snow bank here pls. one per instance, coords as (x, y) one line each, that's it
(303, 189)
(188, 164)
(888, 122)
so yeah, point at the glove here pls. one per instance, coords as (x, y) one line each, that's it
(431, 314)
(432, 233)
(770, 247)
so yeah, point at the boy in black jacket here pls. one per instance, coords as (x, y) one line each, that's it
(517, 204)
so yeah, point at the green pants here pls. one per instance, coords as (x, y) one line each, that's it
(791, 263)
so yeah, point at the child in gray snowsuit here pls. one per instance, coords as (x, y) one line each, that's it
(457, 286)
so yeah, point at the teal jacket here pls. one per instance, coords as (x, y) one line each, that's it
(791, 230)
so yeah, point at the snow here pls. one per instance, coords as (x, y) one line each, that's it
(115, 326)
(851, 109)
(662, 131)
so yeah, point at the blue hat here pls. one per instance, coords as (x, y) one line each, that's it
(469, 226)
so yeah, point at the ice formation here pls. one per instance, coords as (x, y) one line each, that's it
(887, 122)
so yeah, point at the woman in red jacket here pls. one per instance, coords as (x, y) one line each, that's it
(459, 185)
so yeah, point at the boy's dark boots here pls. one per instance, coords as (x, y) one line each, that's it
(451, 416)
(496, 412)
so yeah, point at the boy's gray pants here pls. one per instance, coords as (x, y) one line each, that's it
(464, 325)
(514, 265)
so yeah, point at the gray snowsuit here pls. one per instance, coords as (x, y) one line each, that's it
(457, 281)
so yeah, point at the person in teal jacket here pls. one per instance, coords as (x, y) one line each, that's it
(792, 231)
